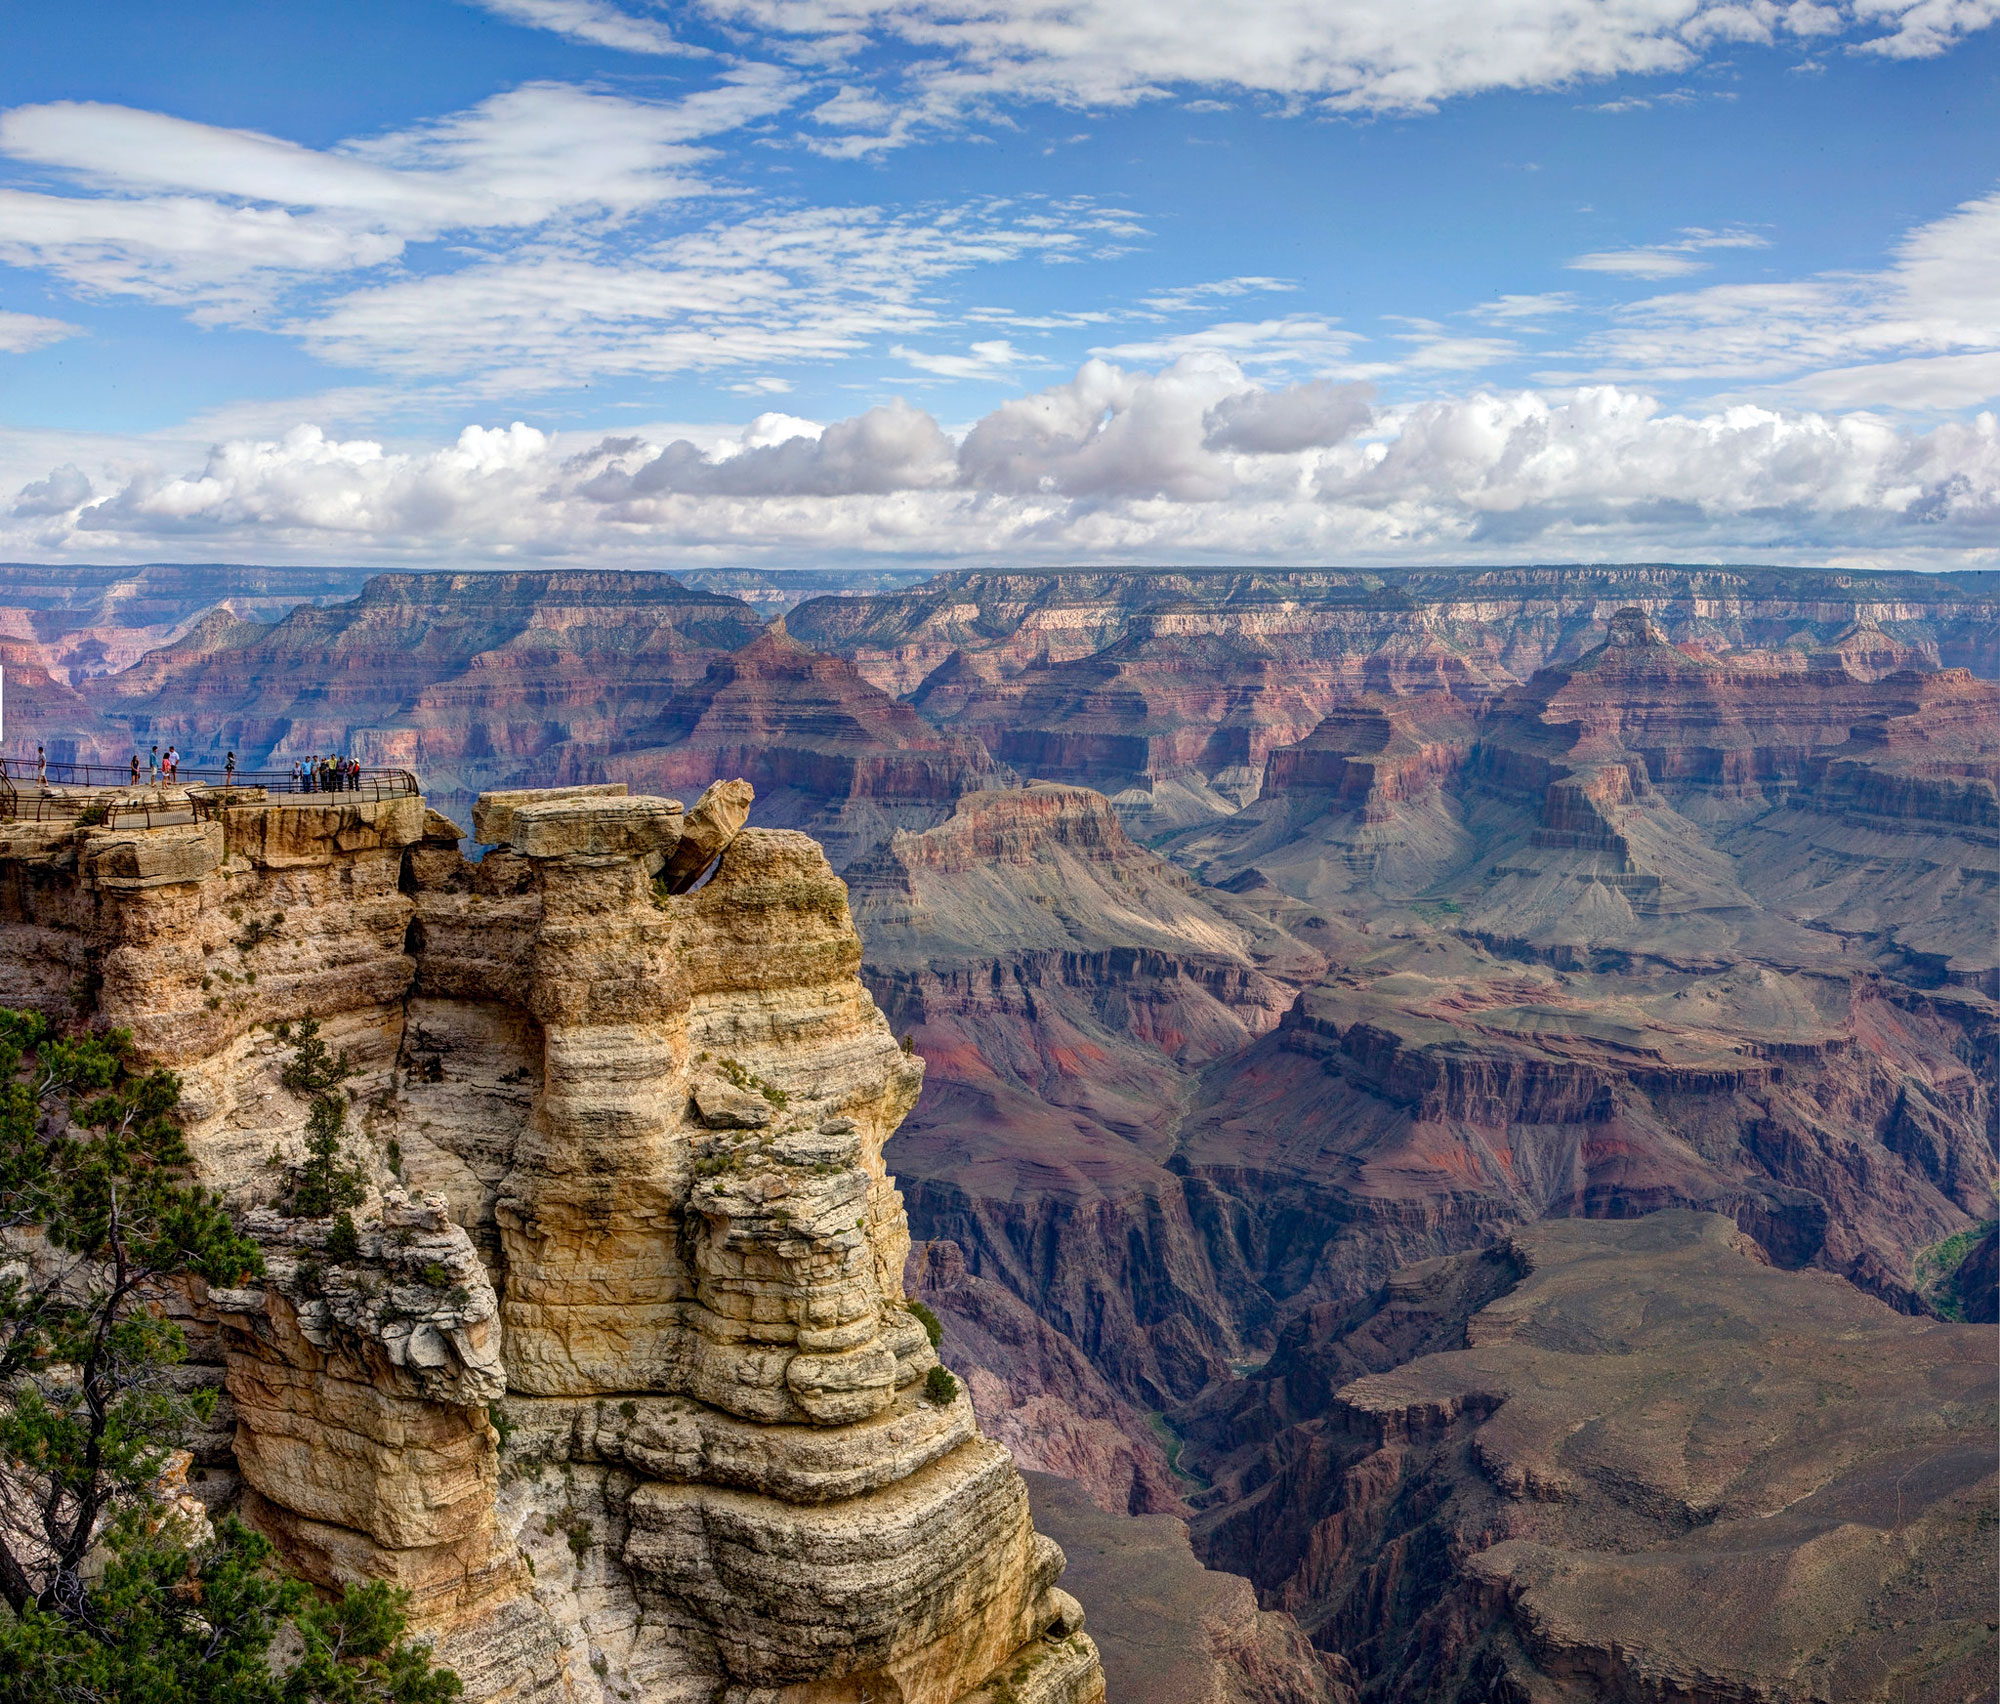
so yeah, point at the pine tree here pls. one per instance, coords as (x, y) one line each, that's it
(325, 1184)
(106, 1593)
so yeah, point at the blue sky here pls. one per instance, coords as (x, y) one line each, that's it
(798, 281)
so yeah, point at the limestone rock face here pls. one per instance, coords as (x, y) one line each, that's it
(614, 1373)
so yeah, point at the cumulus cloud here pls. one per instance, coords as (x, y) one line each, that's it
(307, 485)
(1107, 432)
(1192, 462)
(1276, 423)
(896, 448)
(66, 488)
(1518, 465)
(20, 333)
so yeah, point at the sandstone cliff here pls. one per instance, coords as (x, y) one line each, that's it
(616, 1377)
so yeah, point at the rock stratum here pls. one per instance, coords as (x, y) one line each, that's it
(1623, 1460)
(619, 1382)
(1298, 958)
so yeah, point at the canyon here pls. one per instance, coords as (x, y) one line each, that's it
(1372, 1025)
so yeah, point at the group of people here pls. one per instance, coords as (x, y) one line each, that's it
(318, 774)
(160, 766)
(314, 774)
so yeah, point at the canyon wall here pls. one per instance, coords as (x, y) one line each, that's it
(617, 1378)
(1620, 1460)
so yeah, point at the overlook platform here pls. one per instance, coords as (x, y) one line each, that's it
(105, 793)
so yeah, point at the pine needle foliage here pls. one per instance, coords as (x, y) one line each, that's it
(108, 1592)
(326, 1183)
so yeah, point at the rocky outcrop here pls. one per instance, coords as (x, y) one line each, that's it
(1172, 1631)
(613, 1372)
(79, 622)
(1619, 1460)
(1499, 623)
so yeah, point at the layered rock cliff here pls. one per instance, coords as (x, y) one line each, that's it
(1068, 986)
(1169, 690)
(615, 1374)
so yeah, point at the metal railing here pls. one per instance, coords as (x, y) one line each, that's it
(42, 791)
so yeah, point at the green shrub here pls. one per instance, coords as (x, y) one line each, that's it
(933, 1327)
(326, 1184)
(343, 1242)
(940, 1388)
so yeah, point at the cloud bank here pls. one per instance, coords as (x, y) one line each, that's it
(1189, 462)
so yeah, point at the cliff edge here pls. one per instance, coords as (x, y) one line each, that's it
(615, 1375)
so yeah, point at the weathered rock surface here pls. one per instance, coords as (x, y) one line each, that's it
(1628, 1460)
(1037, 1393)
(828, 752)
(625, 1210)
(1170, 1630)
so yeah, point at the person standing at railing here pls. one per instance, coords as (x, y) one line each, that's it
(229, 771)
(298, 776)
(153, 767)
(135, 769)
(41, 767)
(173, 764)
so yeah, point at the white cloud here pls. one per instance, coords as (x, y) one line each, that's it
(759, 291)
(1638, 263)
(593, 21)
(20, 333)
(1360, 55)
(896, 448)
(516, 159)
(984, 360)
(1506, 309)
(1107, 432)
(66, 488)
(1282, 422)
(223, 221)
(1193, 462)
(1922, 29)
(1187, 296)
(1930, 311)
(1300, 340)
(221, 263)
(1436, 349)
(1667, 260)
